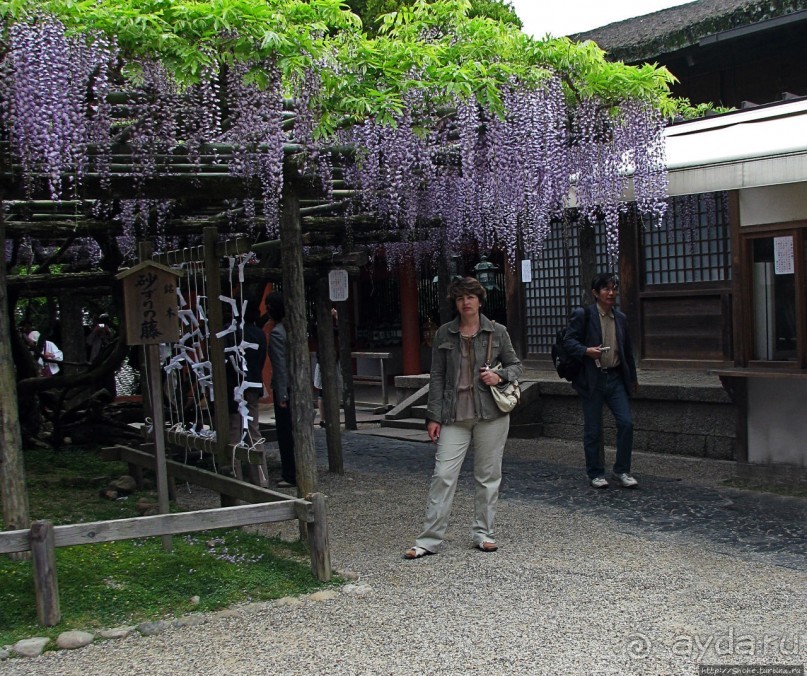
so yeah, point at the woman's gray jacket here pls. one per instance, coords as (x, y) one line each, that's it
(442, 407)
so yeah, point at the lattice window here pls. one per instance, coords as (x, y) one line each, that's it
(553, 292)
(691, 245)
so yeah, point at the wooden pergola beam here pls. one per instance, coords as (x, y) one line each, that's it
(50, 282)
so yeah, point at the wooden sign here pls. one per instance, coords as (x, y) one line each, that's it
(150, 303)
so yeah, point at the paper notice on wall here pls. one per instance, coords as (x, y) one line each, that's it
(783, 263)
(526, 270)
(338, 285)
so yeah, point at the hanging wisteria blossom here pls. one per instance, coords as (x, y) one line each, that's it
(501, 180)
(495, 171)
(46, 77)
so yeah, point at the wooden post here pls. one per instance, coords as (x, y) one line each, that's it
(589, 268)
(588, 264)
(155, 378)
(514, 301)
(13, 493)
(410, 322)
(318, 543)
(302, 413)
(741, 348)
(346, 364)
(155, 397)
(444, 272)
(46, 584)
(215, 352)
(629, 282)
(330, 384)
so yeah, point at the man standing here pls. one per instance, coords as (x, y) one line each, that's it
(598, 337)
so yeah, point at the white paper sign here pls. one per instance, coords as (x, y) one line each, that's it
(337, 285)
(783, 263)
(526, 270)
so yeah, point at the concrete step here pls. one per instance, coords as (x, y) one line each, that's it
(419, 411)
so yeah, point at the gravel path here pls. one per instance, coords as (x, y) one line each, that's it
(656, 581)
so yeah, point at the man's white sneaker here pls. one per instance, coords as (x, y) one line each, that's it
(626, 480)
(599, 482)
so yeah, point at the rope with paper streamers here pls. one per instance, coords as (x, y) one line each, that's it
(188, 371)
(235, 353)
(187, 364)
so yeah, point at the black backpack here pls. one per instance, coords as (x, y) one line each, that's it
(565, 364)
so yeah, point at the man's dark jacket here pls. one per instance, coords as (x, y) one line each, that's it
(581, 334)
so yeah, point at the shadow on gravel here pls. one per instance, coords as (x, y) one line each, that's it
(727, 520)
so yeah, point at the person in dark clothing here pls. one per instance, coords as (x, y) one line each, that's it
(598, 337)
(278, 356)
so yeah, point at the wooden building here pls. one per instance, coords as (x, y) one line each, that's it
(677, 276)
(729, 288)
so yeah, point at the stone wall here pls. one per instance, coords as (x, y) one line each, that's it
(675, 419)
(678, 418)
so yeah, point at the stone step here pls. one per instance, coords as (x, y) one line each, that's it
(404, 423)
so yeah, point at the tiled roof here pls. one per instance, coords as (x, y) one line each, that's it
(668, 30)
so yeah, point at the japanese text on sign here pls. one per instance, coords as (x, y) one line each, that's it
(150, 299)
(783, 263)
(337, 285)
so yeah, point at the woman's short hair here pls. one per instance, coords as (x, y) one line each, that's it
(464, 286)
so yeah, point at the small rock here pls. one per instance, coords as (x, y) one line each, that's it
(195, 600)
(116, 632)
(326, 595)
(70, 640)
(124, 484)
(228, 613)
(190, 621)
(108, 494)
(288, 601)
(3, 654)
(31, 647)
(152, 628)
(348, 574)
(147, 507)
(357, 589)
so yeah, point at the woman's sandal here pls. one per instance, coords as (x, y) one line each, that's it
(487, 546)
(416, 553)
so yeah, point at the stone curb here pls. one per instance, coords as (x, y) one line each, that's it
(75, 639)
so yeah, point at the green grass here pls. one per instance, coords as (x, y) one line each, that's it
(126, 582)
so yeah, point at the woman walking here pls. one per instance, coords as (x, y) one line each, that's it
(462, 410)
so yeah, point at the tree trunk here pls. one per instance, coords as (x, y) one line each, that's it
(12, 471)
(302, 413)
(74, 344)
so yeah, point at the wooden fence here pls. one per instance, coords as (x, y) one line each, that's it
(43, 537)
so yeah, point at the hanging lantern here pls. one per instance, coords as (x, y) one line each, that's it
(486, 273)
